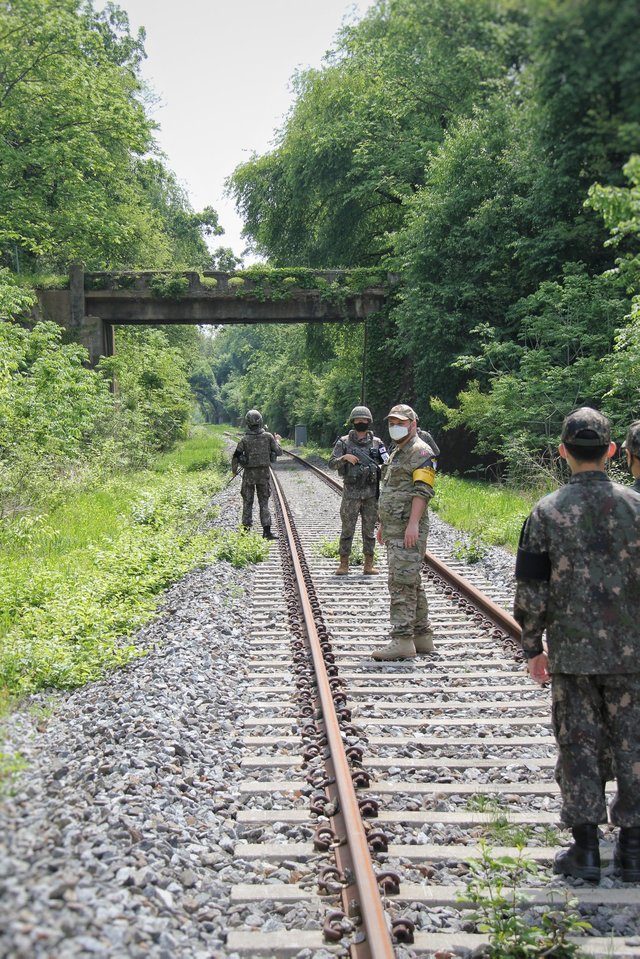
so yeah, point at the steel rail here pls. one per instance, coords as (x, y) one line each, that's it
(498, 616)
(378, 944)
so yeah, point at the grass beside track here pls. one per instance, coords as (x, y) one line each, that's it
(79, 579)
(492, 514)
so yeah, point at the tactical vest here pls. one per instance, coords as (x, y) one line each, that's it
(365, 473)
(257, 448)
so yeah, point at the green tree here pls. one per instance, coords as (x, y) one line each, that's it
(363, 128)
(152, 390)
(76, 177)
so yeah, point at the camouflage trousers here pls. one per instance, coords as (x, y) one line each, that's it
(409, 609)
(350, 509)
(247, 491)
(596, 722)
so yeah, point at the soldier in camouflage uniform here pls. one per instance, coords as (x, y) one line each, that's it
(578, 577)
(631, 446)
(406, 488)
(255, 452)
(357, 457)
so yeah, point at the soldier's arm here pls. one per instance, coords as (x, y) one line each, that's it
(335, 460)
(533, 571)
(424, 476)
(235, 459)
(276, 449)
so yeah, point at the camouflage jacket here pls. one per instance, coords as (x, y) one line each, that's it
(580, 548)
(360, 480)
(636, 485)
(255, 452)
(410, 472)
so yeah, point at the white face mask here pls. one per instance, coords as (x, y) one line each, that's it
(398, 432)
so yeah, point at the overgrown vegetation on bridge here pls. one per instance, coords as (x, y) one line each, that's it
(484, 152)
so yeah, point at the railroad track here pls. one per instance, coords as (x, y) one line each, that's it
(371, 785)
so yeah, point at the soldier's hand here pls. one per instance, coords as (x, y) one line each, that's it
(350, 458)
(411, 535)
(380, 536)
(234, 472)
(539, 668)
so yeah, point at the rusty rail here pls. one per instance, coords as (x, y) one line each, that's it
(359, 890)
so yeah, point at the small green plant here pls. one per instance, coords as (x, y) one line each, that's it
(482, 803)
(494, 889)
(471, 552)
(170, 286)
(10, 767)
(207, 282)
(330, 548)
(236, 283)
(241, 548)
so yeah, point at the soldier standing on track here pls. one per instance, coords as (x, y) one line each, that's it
(578, 577)
(255, 452)
(407, 487)
(631, 446)
(357, 457)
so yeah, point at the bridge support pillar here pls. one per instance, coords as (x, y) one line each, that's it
(92, 332)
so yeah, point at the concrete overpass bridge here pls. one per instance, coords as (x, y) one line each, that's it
(96, 303)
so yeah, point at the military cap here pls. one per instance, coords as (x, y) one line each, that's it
(402, 412)
(586, 421)
(632, 439)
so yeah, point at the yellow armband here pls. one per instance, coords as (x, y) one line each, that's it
(424, 475)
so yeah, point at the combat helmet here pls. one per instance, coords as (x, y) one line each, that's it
(253, 419)
(360, 413)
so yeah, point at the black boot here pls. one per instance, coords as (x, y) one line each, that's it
(626, 858)
(267, 534)
(582, 859)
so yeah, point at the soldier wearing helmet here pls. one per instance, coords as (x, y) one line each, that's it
(357, 457)
(255, 452)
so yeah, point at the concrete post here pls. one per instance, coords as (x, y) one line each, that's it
(76, 288)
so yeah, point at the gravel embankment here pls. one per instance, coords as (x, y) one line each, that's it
(117, 840)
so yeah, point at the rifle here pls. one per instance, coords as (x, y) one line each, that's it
(368, 463)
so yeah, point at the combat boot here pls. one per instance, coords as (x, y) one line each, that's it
(424, 642)
(626, 857)
(396, 649)
(369, 568)
(267, 534)
(582, 858)
(343, 568)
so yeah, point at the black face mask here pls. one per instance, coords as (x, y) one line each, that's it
(361, 427)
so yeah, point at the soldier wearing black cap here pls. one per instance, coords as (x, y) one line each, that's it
(631, 446)
(578, 578)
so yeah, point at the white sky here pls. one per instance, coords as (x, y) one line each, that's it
(222, 71)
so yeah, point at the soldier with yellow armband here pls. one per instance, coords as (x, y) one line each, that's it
(406, 488)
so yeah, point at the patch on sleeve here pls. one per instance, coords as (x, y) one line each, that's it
(425, 474)
(530, 565)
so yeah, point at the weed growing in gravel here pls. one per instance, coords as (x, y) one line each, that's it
(494, 889)
(483, 803)
(470, 552)
(241, 548)
(10, 766)
(499, 829)
(330, 548)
